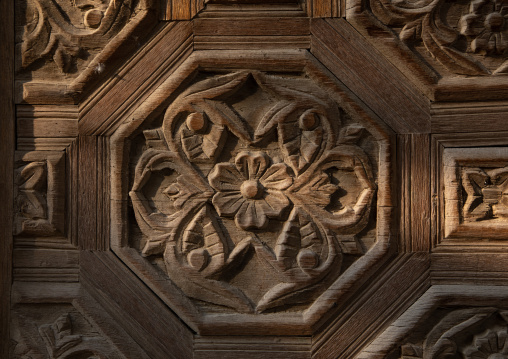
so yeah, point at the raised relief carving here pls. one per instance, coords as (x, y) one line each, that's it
(255, 189)
(464, 37)
(476, 190)
(40, 193)
(477, 333)
(68, 336)
(63, 31)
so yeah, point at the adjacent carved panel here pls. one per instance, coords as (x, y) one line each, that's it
(56, 332)
(475, 197)
(73, 43)
(474, 333)
(464, 37)
(253, 192)
(40, 193)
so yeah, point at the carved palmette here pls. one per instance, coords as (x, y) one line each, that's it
(252, 165)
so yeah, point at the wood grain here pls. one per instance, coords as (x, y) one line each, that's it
(141, 313)
(252, 27)
(416, 316)
(136, 80)
(375, 82)
(87, 193)
(180, 9)
(7, 143)
(457, 117)
(404, 280)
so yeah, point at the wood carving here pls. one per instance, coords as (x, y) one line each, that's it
(68, 336)
(475, 182)
(67, 46)
(464, 37)
(250, 164)
(477, 333)
(40, 193)
(62, 31)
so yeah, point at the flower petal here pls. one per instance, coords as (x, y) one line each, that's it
(225, 177)
(227, 203)
(251, 164)
(273, 204)
(248, 217)
(276, 177)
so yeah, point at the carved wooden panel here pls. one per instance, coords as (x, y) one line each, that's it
(252, 192)
(40, 193)
(454, 44)
(252, 179)
(65, 46)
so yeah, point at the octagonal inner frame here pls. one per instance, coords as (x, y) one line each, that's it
(279, 323)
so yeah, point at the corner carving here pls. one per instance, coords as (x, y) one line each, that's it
(63, 31)
(463, 37)
(70, 335)
(40, 193)
(254, 192)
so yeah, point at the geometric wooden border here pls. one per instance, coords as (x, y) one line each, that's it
(453, 159)
(448, 150)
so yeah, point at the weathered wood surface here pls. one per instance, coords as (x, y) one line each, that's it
(373, 79)
(7, 146)
(254, 179)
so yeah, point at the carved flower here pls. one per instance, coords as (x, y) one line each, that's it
(490, 36)
(250, 189)
(492, 345)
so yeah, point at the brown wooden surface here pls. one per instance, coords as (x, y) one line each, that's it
(420, 145)
(339, 47)
(7, 143)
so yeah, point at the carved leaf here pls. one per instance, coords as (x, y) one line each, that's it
(203, 243)
(36, 35)
(55, 32)
(300, 139)
(350, 218)
(203, 133)
(186, 193)
(299, 243)
(58, 336)
(303, 259)
(411, 31)
(438, 38)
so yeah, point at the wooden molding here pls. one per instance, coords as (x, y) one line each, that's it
(382, 88)
(452, 298)
(399, 284)
(458, 201)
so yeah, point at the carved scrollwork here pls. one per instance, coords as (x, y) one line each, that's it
(63, 30)
(467, 38)
(476, 333)
(241, 159)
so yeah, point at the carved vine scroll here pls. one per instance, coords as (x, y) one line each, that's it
(64, 30)
(464, 37)
(253, 190)
(474, 333)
